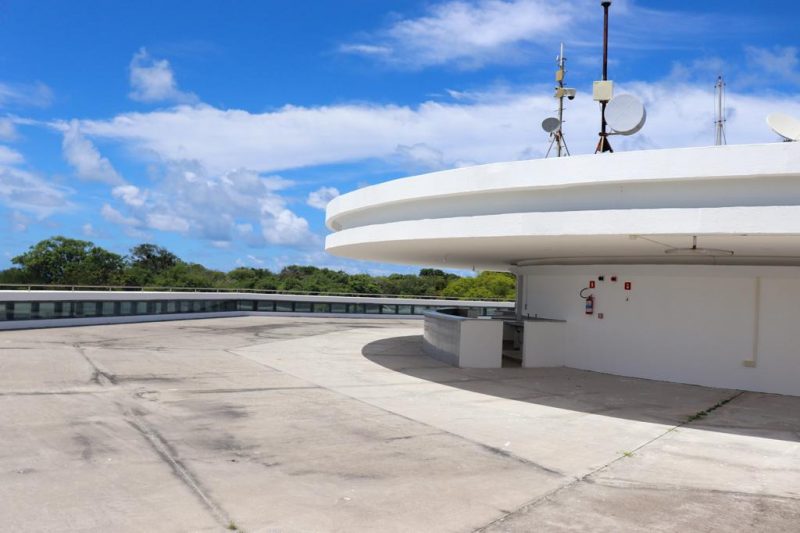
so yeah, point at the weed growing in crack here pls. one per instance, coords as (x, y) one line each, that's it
(701, 414)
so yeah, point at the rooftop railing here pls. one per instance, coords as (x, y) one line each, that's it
(125, 288)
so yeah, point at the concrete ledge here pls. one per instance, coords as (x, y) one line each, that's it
(98, 321)
(463, 342)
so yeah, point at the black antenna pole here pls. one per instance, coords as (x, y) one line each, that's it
(602, 145)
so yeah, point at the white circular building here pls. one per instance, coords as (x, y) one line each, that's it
(689, 256)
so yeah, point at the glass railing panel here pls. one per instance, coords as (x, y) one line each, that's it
(21, 311)
(284, 307)
(109, 308)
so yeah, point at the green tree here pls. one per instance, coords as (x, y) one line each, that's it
(189, 275)
(484, 285)
(145, 262)
(363, 284)
(152, 258)
(15, 275)
(250, 278)
(59, 260)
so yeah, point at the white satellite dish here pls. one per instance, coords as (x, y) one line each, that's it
(625, 114)
(551, 124)
(786, 126)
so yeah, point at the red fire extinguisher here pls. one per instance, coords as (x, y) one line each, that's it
(589, 300)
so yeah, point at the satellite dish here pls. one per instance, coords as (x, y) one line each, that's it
(551, 124)
(786, 126)
(625, 114)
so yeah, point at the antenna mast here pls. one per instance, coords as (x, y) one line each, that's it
(561, 92)
(554, 126)
(603, 90)
(719, 93)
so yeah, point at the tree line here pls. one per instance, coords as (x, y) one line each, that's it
(63, 261)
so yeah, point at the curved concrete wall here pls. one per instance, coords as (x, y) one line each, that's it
(504, 214)
(733, 327)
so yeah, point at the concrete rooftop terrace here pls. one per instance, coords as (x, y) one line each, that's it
(314, 424)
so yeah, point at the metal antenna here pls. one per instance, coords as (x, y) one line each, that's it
(558, 134)
(719, 93)
(554, 126)
(602, 144)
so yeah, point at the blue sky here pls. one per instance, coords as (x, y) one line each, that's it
(220, 129)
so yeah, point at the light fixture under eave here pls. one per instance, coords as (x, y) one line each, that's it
(694, 250)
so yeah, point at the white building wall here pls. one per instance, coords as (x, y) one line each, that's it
(463, 342)
(692, 324)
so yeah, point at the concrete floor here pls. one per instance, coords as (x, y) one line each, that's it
(291, 424)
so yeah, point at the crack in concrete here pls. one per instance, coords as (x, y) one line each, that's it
(49, 393)
(161, 447)
(586, 477)
(627, 485)
(99, 376)
(170, 456)
(243, 390)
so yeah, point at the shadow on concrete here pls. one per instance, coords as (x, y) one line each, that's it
(754, 414)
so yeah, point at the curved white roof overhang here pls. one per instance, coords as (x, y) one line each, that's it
(617, 208)
(569, 175)
(757, 235)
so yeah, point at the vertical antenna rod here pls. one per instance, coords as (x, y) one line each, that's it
(719, 93)
(602, 145)
(560, 77)
(555, 126)
(561, 144)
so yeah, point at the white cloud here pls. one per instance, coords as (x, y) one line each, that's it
(279, 225)
(115, 217)
(152, 80)
(486, 127)
(27, 192)
(469, 34)
(365, 49)
(130, 194)
(25, 94)
(422, 156)
(8, 130)
(255, 260)
(19, 222)
(244, 229)
(319, 199)
(167, 222)
(782, 63)
(295, 137)
(9, 156)
(218, 208)
(84, 157)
